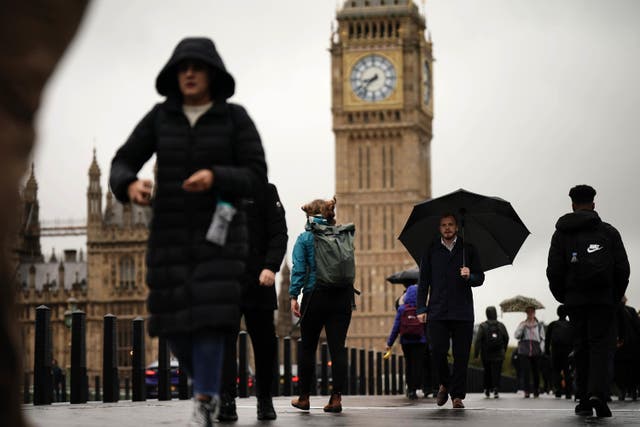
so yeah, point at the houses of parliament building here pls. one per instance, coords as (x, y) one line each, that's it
(382, 107)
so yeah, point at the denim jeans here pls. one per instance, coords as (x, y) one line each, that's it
(200, 354)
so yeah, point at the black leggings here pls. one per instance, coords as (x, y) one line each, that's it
(530, 367)
(331, 309)
(414, 358)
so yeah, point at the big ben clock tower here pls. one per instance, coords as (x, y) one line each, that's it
(382, 118)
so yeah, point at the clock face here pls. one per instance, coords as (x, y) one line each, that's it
(373, 78)
(427, 82)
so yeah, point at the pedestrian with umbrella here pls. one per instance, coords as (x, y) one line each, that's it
(450, 266)
(530, 335)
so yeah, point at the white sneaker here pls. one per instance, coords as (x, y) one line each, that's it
(203, 413)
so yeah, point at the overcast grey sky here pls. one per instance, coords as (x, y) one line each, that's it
(531, 98)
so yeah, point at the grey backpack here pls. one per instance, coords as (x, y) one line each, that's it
(334, 254)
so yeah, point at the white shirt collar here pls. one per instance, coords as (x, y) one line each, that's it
(451, 246)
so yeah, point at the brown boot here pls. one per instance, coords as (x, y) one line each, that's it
(442, 396)
(335, 403)
(301, 402)
(457, 403)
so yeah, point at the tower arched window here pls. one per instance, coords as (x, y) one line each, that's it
(127, 272)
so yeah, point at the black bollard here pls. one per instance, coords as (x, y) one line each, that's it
(287, 367)
(386, 376)
(370, 374)
(97, 388)
(42, 375)
(63, 384)
(183, 384)
(314, 375)
(26, 396)
(243, 365)
(362, 379)
(400, 374)
(353, 372)
(394, 378)
(127, 387)
(111, 390)
(324, 369)
(378, 373)
(275, 384)
(79, 383)
(164, 370)
(138, 362)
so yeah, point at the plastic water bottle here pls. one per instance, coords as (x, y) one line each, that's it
(219, 227)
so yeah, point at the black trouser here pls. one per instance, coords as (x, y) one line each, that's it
(414, 361)
(492, 373)
(560, 367)
(460, 333)
(530, 366)
(260, 327)
(594, 341)
(329, 309)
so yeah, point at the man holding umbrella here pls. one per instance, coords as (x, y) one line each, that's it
(449, 268)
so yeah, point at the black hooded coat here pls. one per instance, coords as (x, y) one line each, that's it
(491, 325)
(611, 290)
(193, 284)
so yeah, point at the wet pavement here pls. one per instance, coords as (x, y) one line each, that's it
(510, 410)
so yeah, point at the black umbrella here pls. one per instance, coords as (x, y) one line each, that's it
(405, 277)
(489, 223)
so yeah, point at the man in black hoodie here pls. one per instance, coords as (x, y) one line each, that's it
(588, 271)
(491, 344)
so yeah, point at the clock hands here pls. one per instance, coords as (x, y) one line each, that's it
(368, 81)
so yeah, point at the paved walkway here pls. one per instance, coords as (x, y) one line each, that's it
(510, 410)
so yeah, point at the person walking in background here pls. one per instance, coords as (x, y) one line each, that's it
(559, 345)
(268, 245)
(449, 269)
(58, 381)
(412, 339)
(530, 336)
(209, 158)
(491, 344)
(324, 270)
(626, 371)
(588, 272)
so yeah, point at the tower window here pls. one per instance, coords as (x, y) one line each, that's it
(358, 30)
(127, 272)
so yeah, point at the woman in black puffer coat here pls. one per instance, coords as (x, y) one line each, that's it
(208, 151)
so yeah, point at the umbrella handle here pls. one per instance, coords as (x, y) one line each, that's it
(464, 260)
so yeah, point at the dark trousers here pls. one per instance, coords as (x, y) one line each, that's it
(492, 373)
(260, 327)
(414, 360)
(530, 366)
(329, 309)
(560, 369)
(460, 333)
(594, 342)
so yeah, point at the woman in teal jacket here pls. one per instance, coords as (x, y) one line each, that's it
(323, 306)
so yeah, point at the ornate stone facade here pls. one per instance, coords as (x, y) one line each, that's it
(110, 281)
(382, 108)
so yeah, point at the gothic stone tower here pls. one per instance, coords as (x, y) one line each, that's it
(382, 118)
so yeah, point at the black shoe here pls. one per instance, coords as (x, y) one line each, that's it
(265, 409)
(412, 395)
(496, 395)
(227, 409)
(601, 407)
(583, 409)
(487, 392)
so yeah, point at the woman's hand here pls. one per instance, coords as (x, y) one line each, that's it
(139, 192)
(201, 180)
(295, 307)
